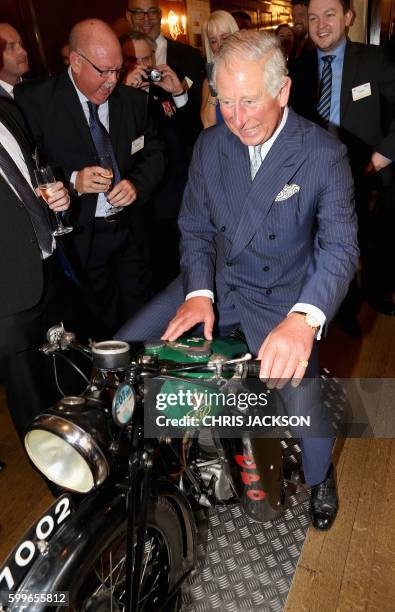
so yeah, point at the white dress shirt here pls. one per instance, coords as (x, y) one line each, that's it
(102, 206)
(161, 49)
(11, 145)
(315, 312)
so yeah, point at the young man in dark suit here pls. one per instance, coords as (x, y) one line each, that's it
(83, 124)
(360, 79)
(145, 16)
(28, 272)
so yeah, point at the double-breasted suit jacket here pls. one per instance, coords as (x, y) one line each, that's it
(287, 237)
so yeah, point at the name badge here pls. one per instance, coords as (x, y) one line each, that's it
(362, 91)
(137, 145)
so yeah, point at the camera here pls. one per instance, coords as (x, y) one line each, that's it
(153, 74)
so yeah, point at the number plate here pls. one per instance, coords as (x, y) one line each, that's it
(34, 542)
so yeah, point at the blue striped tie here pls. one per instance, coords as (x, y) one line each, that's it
(324, 102)
(101, 139)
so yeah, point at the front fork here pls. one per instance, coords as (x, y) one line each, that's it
(140, 478)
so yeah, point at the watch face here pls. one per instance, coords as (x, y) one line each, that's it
(123, 405)
(311, 321)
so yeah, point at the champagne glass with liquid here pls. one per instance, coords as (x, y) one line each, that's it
(108, 173)
(45, 182)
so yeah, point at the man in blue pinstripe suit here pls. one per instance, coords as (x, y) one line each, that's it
(268, 235)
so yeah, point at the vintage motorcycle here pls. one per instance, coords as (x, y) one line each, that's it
(123, 534)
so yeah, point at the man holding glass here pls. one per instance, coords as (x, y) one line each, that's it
(28, 272)
(99, 137)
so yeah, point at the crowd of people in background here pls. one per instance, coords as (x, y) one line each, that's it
(135, 106)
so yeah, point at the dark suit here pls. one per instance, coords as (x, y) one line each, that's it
(363, 129)
(261, 250)
(185, 60)
(174, 127)
(107, 257)
(27, 294)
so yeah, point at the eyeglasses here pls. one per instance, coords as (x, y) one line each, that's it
(108, 72)
(137, 60)
(139, 14)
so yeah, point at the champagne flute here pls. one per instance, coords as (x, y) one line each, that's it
(45, 183)
(107, 164)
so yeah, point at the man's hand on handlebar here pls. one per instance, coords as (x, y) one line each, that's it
(285, 352)
(190, 313)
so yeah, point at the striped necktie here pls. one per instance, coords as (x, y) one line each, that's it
(256, 160)
(324, 102)
(35, 207)
(101, 139)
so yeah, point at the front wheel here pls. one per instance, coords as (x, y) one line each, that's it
(87, 557)
(103, 584)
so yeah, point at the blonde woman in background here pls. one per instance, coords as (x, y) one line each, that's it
(217, 28)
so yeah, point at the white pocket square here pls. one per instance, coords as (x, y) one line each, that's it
(287, 191)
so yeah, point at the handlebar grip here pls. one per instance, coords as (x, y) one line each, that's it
(253, 368)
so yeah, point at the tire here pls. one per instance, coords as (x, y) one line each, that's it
(163, 550)
(92, 547)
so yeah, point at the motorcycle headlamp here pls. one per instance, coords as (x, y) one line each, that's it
(70, 444)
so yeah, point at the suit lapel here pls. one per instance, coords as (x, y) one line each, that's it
(235, 168)
(350, 65)
(21, 137)
(69, 101)
(276, 170)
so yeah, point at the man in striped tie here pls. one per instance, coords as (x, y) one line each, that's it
(354, 82)
(99, 137)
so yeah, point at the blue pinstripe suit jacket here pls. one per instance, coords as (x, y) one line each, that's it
(261, 256)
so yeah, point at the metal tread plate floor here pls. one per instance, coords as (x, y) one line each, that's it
(248, 566)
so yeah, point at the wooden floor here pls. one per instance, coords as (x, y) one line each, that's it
(350, 568)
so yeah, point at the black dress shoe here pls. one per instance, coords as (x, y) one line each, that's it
(385, 306)
(351, 326)
(324, 502)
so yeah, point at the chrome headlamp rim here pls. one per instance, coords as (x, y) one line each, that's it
(81, 441)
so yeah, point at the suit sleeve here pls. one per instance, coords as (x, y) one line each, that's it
(147, 173)
(335, 256)
(197, 246)
(387, 90)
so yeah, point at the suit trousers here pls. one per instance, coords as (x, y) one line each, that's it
(115, 281)
(25, 371)
(151, 322)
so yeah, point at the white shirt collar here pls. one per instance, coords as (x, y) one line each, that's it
(81, 96)
(266, 146)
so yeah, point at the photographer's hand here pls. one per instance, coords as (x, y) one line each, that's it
(137, 78)
(170, 81)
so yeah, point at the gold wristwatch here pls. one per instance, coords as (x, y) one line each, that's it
(309, 320)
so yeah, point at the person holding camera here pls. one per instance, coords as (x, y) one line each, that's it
(172, 113)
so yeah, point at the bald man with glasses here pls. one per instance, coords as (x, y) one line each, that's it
(85, 124)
